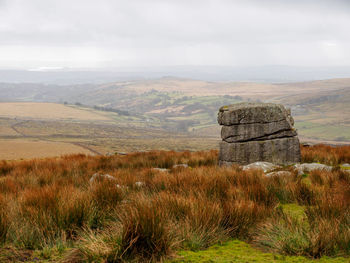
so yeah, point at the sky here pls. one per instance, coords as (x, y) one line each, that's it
(49, 34)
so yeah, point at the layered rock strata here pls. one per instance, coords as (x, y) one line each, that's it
(254, 132)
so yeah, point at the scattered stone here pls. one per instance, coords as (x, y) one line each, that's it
(109, 154)
(183, 165)
(226, 164)
(163, 170)
(308, 167)
(279, 173)
(139, 184)
(307, 144)
(265, 166)
(95, 176)
(255, 132)
(122, 187)
(345, 167)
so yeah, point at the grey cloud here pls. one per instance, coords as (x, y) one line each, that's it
(195, 32)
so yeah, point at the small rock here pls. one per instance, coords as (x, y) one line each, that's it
(122, 187)
(139, 184)
(265, 166)
(307, 167)
(121, 153)
(307, 144)
(163, 170)
(279, 173)
(96, 175)
(345, 167)
(183, 165)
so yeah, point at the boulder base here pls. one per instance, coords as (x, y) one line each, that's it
(278, 151)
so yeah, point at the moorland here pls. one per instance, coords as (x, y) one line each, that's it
(147, 210)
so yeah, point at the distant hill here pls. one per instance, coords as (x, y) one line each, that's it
(265, 74)
(321, 108)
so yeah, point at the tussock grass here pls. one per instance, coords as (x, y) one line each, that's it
(326, 154)
(52, 201)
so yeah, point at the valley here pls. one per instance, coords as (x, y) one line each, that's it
(168, 114)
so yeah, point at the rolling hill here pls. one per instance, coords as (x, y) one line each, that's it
(166, 113)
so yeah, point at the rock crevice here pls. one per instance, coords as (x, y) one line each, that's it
(279, 134)
(257, 132)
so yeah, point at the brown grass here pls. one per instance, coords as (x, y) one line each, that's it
(326, 154)
(51, 201)
(14, 149)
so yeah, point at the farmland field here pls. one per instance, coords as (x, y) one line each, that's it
(35, 137)
(167, 113)
(27, 149)
(47, 111)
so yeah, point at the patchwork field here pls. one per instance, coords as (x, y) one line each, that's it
(26, 149)
(167, 113)
(32, 138)
(51, 111)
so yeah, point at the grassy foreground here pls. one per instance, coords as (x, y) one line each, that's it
(239, 251)
(51, 211)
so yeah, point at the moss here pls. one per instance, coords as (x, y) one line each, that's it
(344, 167)
(238, 251)
(294, 210)
(306, 181)
(47, 254)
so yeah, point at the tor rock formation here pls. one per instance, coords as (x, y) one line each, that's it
(254, 132)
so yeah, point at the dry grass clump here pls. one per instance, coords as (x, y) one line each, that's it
(323, 228)
(145, 214)
(145, 231)
(326, 154)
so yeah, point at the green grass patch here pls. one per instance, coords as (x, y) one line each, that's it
(294, 210)
(345, 167)
(239, 251)
(323, 131)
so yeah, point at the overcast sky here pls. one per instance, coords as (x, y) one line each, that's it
(128, 33)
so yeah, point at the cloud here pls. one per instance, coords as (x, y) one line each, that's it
(168, 32)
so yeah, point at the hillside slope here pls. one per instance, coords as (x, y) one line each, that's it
(321, 108)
